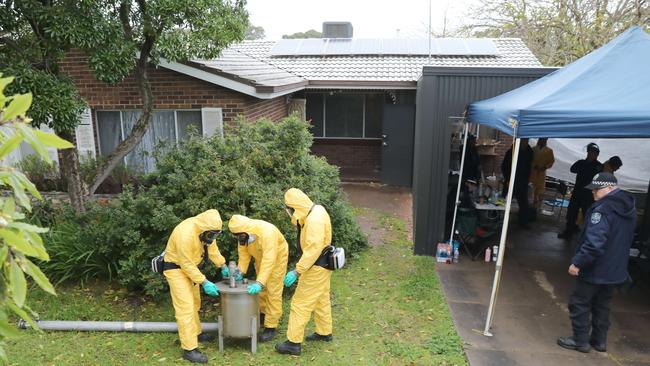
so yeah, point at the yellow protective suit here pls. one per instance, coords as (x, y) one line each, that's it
(271, 253)
(313, 291)
(543, 159)
(186, 250)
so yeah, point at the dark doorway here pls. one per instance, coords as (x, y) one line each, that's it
(397, 145)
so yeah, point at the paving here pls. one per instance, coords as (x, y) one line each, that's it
(531, 309)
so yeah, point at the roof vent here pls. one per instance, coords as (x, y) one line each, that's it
(337, 30)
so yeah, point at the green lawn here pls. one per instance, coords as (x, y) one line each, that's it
(388, 309)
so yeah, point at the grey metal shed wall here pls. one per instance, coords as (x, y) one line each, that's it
(444, 92)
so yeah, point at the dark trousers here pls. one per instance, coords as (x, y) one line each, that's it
(590, 301)
(581, 199)
(521, 194)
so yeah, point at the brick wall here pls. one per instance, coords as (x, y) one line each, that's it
(171, 90)
(359, 160)
(492, 163)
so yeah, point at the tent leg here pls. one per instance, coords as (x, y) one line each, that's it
(502, 241)
(460, 181)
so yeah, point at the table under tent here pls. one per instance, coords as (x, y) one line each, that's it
(604, 94)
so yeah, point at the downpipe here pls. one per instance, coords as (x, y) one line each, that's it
(113, 326)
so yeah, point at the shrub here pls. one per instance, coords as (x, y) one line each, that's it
(45, 176)
(246, 172)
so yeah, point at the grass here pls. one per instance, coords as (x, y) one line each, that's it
(388, 309)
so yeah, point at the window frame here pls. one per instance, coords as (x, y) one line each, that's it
(324, 136)
(122, 136)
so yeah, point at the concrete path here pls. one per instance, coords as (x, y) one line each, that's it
(531, 309)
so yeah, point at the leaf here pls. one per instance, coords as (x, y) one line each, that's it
(31, 139)
(27, 227)
(18, 242)
(18, 106)
(4, 250)
(34, 272)
(3, 354)
(22, 314)
(10, 145)
(8, 330)
(18, 284)
(17, 187)
(9, 206)
(22, 178)
(5, 81)
(50, 139)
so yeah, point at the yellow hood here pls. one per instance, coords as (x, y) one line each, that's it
(299, 201)
(208, 220)
(240, 224)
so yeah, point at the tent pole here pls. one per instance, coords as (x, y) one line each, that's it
(460, 181)
(502, 241)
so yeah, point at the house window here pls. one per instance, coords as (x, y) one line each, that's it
(345, 115)
(166, 126)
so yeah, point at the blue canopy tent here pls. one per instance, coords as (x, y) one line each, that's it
(604, 94)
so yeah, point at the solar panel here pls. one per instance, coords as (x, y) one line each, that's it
(349, 46)
(338, 46)
(365, 46)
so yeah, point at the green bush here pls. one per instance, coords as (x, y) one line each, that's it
(247, 172)
(45, 176)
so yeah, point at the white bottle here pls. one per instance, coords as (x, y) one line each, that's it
(456, 255)
(488, 255)
(495, 253)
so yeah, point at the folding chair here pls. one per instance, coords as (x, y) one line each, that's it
(559, 199)
(473, 236)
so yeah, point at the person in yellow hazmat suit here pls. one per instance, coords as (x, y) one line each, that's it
(543, 160)
(186, 248)
(266, 244)
(313, 291)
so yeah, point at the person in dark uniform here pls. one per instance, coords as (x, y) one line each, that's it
(472, 166)
(581, 199)
(522, 175)
(600, 263)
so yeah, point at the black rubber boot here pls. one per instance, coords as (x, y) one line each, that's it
(207, 337)
(267, 334)
(318, 337)
(195, 356)
(598, 346)
(288, 348)
(570, 343)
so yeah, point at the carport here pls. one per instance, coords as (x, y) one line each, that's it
(604, 95)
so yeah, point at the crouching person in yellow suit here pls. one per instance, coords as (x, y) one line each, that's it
(266, 244)
(186, 248)
(313, 292)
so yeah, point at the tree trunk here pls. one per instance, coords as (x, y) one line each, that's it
(139, 128)
(72, 175)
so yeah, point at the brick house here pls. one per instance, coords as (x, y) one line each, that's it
(359, 95)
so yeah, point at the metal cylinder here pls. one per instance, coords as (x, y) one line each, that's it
(237, 310)
(113, 326)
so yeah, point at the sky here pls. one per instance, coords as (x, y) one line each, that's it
(369, 18)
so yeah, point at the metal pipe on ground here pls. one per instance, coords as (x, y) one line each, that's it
(113, 326)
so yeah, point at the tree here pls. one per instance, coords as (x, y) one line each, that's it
(300, 35)
(18, 239)
(254, 32)
(121, 38)
(558, 31)
(34, 36)
(176, 30)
